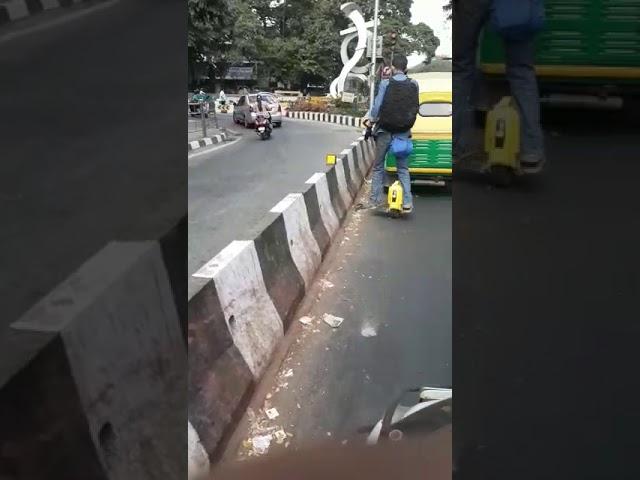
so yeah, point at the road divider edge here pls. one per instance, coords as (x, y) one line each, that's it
(249, 292)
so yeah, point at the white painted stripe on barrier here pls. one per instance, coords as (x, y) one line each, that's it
(17, 9)
(208, 141)
(49, 4)
(303, 246)
(359, 146)
(314, 178)
(194, 144)
(327, 213)
(356, 177)
(197, 458)
(86, 286)
(252, 318)
(218, 138)
(283, 204)
(342, 183)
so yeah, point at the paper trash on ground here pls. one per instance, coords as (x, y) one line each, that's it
(261, 444)
(332, 320)
(271, 413)
(281, 436)
(305, 320)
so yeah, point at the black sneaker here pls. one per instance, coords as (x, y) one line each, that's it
(369, 206)
(532, 161)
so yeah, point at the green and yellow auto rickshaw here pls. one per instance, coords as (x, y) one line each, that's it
(432, 132)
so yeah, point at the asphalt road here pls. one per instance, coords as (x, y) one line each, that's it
(84, 161)
(232, 187)
(545, 323)
(390, 280)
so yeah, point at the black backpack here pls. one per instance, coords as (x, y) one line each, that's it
(400, 106)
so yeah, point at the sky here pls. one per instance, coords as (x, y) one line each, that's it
(430, 12)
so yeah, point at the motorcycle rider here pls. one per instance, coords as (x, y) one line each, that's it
(262, 111)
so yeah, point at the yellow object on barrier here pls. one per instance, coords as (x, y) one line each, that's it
(331, 159)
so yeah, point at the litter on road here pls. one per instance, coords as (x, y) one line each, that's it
(261, 444)
(324, 283)
(368, 331)
(332, 320)
(281, 436)
(271, 413)
(305, 320)
(288, 373)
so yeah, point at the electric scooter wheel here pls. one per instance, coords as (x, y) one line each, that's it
(501, 176)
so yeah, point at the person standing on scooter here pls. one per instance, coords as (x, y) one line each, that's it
(470, 17)
(393, 112)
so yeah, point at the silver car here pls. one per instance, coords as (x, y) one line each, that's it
(246, 109)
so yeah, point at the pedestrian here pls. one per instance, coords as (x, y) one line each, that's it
(470, 18)
(393, 114)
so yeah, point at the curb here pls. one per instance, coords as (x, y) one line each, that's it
(12, 10)
(249, 293)
(346, 120)
(99, 360)
(205, 142)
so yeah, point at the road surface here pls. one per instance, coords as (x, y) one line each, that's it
(390, 280)
(84, 161)
(231, 188)
(545, 291)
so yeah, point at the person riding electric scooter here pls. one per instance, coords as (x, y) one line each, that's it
(393, 113)
(517, 23)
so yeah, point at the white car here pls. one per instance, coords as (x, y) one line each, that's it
(246, 109)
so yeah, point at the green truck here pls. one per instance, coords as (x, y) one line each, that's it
(588, 47)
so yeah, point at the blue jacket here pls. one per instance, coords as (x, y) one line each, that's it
(377, 103)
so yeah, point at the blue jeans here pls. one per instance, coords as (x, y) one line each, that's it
(383, 141)
(520, 59)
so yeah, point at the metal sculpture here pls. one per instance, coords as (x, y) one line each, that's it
(360, 32)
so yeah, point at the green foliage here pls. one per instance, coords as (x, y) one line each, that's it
(436, 65)
(294, 41)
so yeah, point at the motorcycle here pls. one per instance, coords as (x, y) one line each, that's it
(263, 126)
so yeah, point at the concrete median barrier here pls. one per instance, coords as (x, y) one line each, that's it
(94, 378)
(346, 120)
(251, 289)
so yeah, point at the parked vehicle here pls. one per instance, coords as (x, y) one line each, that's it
(263, 125)
(198, 99)
(246, 110)
(587, 49)
(432, 133)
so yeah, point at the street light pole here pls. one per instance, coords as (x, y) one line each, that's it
(374, 54)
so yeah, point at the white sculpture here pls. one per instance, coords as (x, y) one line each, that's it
(350, 69)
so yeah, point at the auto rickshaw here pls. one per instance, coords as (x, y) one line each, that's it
(430, 161)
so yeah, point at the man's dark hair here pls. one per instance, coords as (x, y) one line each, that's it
(399, 62)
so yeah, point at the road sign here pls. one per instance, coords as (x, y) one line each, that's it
(348, 97)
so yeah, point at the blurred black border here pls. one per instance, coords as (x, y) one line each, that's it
(545, 307)
(93, 143)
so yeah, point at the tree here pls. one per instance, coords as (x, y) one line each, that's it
(209, 33)
(448, 8)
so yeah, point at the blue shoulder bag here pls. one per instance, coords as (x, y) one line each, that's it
(517, 20)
